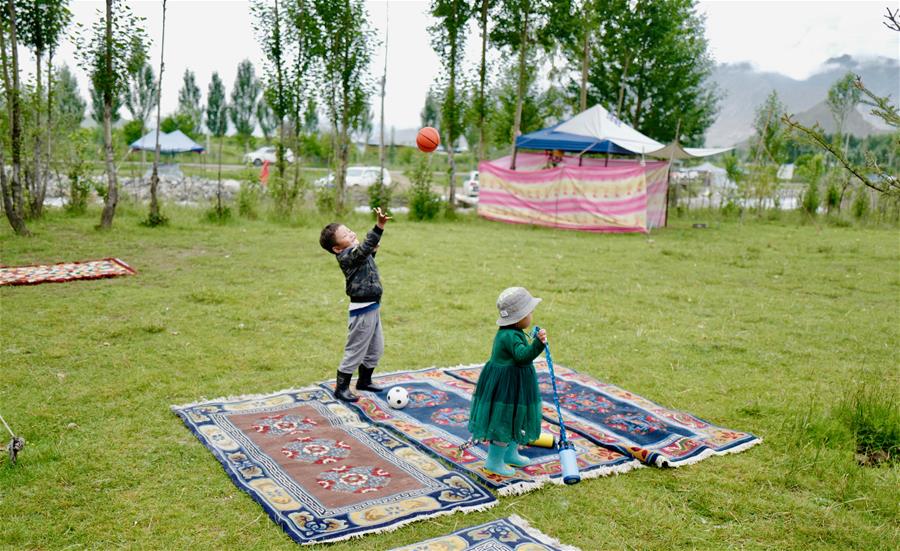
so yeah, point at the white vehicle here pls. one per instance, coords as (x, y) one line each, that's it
(362, 176)
(470, 187)
(267, 153)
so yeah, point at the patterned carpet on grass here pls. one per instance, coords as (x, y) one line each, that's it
(64, 271)
(505, 534)
(625, 422)
(436, 418)
(322, 474)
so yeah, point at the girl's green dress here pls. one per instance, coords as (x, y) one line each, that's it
(506, 406)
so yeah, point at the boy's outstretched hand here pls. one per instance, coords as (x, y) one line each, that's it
(382, 217)
(542, 336)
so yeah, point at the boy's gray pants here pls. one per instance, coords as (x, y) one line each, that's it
(365, 343)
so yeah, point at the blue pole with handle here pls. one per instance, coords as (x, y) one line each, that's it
(568, 459)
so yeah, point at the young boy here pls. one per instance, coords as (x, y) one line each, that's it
(365, 342)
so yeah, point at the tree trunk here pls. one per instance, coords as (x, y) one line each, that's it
(452, 120)
(622, 87)
(383, 86)
(49, 149)
(155, 217)
(523, 39)
(219, 185)
(279, 78)
(35, 199)
(112, 192)
(482, 76)
(585, 57)
(13, 200)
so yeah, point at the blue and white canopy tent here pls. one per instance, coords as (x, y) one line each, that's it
(596, 130)
(170, 143)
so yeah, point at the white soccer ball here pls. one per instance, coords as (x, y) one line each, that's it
(397, 397)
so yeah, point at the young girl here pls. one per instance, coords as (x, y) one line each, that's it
(506, 407)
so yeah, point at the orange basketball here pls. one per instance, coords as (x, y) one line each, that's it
(428, 139)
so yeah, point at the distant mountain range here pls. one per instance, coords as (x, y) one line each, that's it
(746, 88)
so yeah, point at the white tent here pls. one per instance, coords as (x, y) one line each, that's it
(600, 124)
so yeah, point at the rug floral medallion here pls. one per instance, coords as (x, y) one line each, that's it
(321, 473)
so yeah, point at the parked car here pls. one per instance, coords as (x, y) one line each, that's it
(267, 153)
(362, 176)
(470, 187)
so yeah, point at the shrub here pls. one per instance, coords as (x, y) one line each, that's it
(326, 199)
(860, 203)
(811, 199)
(424, 204)
(380, 196)
(248, 199)
(284, 193)
(832, 196)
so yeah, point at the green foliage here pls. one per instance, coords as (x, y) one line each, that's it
(216, 110)
(633, 54)
(448, 38)
(424, 204)
(266, 118)
(843, 97)
(68, 101)
(97, 106)
(380, 195)
(189, 103)
(154, 220)
(284, 193)
(248, 199)
(141, 96)
(128, 46)
(770, 140)
(244, 96)
(860, 207)
(431, 111)
(178, 121)
(326, 200)
(218, 214)
(73, 152)
(832, 195)
(132, 131)
(537, 107)
(811, 199)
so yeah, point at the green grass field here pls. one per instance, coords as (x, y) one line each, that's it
(762, 327)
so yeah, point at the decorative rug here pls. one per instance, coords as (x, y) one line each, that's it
(623, 421)
(436, 421)
(506, 534)
(322, 474)
(64, 271)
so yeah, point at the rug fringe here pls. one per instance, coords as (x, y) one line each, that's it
(402, 523)
(706, 454)
(526, 486)
(240, 397)
(549, 541)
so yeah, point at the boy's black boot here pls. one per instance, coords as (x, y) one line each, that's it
(342, 388)
(364, 382)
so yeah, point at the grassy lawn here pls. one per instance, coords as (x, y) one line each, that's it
(761, 327)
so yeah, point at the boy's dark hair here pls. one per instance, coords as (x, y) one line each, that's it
(326, 238)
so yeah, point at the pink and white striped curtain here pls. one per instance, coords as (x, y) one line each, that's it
(618, 196)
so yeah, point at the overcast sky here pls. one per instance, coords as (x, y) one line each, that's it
(793, 38)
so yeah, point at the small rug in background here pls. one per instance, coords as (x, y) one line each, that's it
(64, 271)
(630, 424)
(512, 533)
(322, 474)
(436, 420)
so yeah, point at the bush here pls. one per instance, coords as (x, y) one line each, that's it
(424, 204)
(380, 196)
(248, 199)
(218, 214)
(133, 131)
(832, 196)
(326, 199)
(811, 199)
(860, 203)
(284, 193)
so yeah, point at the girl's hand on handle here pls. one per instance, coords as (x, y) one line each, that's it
(542, 336)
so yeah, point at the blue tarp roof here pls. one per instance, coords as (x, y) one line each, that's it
(173, 142)
(549, 139)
